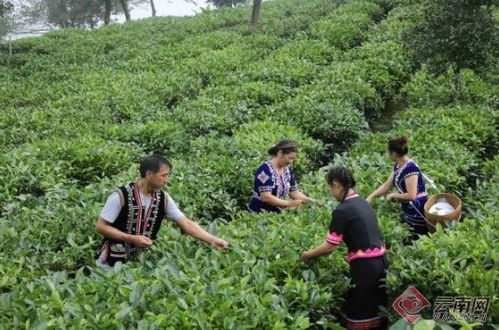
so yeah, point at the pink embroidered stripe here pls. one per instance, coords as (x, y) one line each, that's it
(104, 252)
(369, 253)
(351, 195)
(334, 238)
(366, 324)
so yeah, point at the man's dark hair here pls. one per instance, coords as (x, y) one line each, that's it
(153, 163)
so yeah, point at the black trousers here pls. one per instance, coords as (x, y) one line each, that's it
(367, 294)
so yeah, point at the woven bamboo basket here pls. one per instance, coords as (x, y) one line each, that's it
(442, 219)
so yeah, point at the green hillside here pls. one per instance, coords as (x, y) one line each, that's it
(78, 109)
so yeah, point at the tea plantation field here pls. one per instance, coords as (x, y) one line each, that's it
(78, 109)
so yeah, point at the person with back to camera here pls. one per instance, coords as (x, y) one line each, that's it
(274, 181)
(408, 179)
(355, 223)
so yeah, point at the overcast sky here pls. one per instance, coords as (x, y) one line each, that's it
(163, 8)
(168, 8)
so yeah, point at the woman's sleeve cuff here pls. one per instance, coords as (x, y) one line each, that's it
(334, 238)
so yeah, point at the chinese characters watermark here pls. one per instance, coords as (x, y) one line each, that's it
(453, 309)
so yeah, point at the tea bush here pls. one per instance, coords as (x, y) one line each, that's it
(344, 29)
(222, 175)
(80, 108)
(427, 89)
(449, 147)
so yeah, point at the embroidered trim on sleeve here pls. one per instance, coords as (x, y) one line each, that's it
(334, 238)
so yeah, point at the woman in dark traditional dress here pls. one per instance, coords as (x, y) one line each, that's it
(355, 223)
